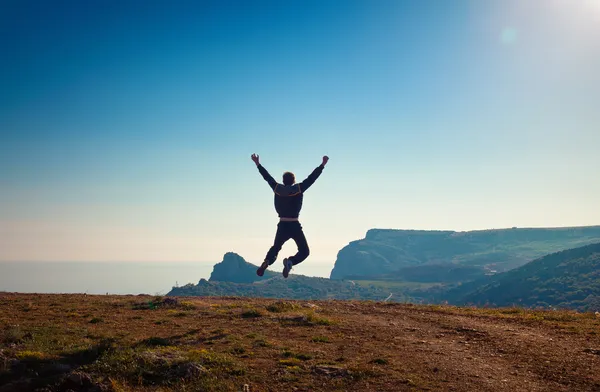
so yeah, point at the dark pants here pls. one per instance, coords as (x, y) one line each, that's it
(286, 231)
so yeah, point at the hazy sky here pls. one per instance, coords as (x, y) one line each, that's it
(126, 127)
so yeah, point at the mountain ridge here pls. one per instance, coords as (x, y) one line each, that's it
(386, 251)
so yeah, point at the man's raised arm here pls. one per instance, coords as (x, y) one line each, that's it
(304, 185)
(268, 178)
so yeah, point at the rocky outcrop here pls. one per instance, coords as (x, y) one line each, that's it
(384, 252)
(235, 269)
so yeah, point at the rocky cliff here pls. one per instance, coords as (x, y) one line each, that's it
(235, 269)
(384, 252)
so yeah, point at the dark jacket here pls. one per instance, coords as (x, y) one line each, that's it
(288, 199)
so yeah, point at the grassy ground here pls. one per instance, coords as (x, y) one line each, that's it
(393, 285)
(139, 343)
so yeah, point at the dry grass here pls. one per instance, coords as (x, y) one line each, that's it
(140, 343)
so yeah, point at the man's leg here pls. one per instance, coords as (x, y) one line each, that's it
(300, 239)
(282, 235)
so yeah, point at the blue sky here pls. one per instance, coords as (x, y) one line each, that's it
(126, 127)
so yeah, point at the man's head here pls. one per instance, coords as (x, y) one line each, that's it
(289, 178)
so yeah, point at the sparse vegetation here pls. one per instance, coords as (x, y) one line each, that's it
(251, 313)
(238, 350)
(155, 342)
(261, 343)
(175, 313)
(300, 356)
(290, 362)
(11, 335)
(304, 357)
(309, 318)
(282, 307)
(319, 346)
(31, 355)
(187, 305)
(315, 319)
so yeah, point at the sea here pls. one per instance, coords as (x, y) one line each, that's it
(154, 278)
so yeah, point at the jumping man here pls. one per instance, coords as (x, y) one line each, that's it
(288, 203)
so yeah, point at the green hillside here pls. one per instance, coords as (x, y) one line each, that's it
(567, 279)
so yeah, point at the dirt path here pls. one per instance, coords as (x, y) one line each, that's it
(460, 352)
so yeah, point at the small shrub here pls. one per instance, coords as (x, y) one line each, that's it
(308, 319)
(320, 339)
(31, 356)
(359, 373)
(155, 342)
(299, 356)
(141, 306)
(380, 361)
(290, 362)
(251, 313)
(514, 310)
(216, 361)
(187, 305)
(281, 307)
(261, 343)
(238, 350)
(294, 369)
(96, 320)
(304, 357)
(12, 335)
(164, 366)
(312, 318)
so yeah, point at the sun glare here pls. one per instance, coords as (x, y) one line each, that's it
(595, 4)
(593, 8)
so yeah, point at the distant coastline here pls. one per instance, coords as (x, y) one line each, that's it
(110, 277)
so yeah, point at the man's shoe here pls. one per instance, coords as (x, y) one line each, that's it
(261, 270)
(287, 267)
